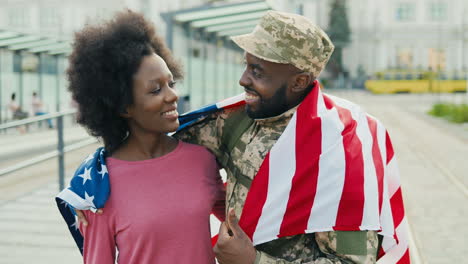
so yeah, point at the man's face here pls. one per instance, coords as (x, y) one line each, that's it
(266, 87)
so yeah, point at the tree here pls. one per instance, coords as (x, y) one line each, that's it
(339, 32)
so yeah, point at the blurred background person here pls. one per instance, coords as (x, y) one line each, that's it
(38, 108)
(16, 112)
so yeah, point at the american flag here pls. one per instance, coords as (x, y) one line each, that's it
(333, 168)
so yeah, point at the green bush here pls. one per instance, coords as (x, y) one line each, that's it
(441, 110)
(460, 114)
(453, 112)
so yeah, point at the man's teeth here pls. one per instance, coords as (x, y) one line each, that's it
(173, 112)
(249, 96)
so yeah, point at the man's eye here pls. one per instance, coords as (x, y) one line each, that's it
(255, 73)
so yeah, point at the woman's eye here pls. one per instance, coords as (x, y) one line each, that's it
(172, 84)
(156, 90)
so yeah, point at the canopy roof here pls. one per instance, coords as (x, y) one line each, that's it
(16, 41)
(221, 20)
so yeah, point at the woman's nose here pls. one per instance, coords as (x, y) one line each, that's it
(172, 95)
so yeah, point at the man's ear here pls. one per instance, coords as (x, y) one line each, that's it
(301, 82)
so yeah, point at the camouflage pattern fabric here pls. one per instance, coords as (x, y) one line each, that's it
(247, 156)
(288, 39)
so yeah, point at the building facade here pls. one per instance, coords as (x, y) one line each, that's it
(400, 34)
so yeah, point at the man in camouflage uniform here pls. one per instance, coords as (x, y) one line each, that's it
(284, 55)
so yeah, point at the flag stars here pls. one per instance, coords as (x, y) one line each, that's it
(103, 171)
(86, 175)
(76, 224)
(90, 157)
(65, 204)
(89, 200)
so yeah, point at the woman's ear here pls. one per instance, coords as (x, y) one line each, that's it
(301, 82)
(125, 113)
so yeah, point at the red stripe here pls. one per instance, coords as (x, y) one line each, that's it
(214, 240)
(389, 147)
(380, 253)
(405, 259)
(304, 182)
(351, 207)
(377, 157)
(398, 211)
(234, 105)
(256, 198)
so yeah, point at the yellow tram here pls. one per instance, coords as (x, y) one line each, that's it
(417, 82)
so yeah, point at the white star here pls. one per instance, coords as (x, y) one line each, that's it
(103, 171)
(86, 175)
(90, 157)
(89, 200)
(65, 203)
(76, 224)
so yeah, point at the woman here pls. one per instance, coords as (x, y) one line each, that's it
(162, 190)
(16, 112)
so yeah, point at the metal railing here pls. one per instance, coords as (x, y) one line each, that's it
(61, 148)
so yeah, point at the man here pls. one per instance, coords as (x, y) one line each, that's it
(284, 55)
(38, 108)
(277, 78)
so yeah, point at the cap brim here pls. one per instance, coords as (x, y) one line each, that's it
(250, 44)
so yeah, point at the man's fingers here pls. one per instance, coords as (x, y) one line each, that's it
(233, 222)
(224, 232)
(81, 217)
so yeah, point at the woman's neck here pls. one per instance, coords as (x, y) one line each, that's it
(145, 146)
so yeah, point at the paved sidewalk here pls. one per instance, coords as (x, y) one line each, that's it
(20, 146)
(31, 231)
(31, 228)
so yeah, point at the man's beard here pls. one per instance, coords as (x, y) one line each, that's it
(274, 106)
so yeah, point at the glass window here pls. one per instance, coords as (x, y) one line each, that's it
(438, 11)
(404, 11)
(404, 58)
(49, 17)
(48, 64)
(436, 59)
(18, 17)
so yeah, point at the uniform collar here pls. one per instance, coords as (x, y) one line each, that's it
(286, 116)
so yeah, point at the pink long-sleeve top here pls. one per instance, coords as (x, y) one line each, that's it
(158, 210)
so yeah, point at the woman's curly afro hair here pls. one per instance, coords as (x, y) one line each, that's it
(101, 67)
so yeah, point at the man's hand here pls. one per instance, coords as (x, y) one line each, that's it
(82, 218)
(233, 246)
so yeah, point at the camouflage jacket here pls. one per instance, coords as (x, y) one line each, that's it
(246, 158)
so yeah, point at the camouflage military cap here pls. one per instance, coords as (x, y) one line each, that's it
(289, 39)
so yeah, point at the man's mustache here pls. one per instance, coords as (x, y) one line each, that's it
(249, 89)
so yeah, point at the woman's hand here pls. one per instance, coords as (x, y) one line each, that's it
(82, 218)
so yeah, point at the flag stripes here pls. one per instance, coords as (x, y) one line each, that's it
(340, 174)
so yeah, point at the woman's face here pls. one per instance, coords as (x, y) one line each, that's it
(154, 107)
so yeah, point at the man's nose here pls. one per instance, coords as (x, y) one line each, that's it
(245, 80)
